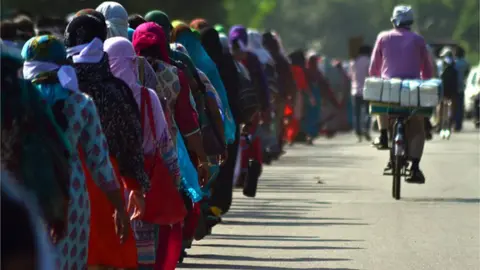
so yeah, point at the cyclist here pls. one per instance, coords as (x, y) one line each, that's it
(401, 53)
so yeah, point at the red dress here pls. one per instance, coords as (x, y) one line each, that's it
(104, 247)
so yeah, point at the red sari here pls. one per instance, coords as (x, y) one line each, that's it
(296, 112)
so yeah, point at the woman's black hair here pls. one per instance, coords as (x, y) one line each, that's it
(365, 50)
(8, 30)
(135, 20)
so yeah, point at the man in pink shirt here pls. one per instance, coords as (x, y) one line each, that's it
(401, 53)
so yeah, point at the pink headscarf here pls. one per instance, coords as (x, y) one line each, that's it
(123, 61)
(123, 64)
(148, 35)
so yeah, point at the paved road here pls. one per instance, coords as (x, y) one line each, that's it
(348, 220)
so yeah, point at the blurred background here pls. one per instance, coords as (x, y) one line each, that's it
(327, 26)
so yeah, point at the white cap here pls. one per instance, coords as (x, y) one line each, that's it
(402, 14)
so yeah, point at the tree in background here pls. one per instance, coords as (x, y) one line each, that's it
(330, 23)
(325, 25)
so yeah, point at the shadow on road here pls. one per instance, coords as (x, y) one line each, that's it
(248, 267)
(445, 200)
(292, 223)
(276, 238)
(275, 211)
(280, 247)
(285, 216)
(256, 259)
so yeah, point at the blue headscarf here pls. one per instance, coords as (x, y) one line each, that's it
(46, 57)
(203, 62)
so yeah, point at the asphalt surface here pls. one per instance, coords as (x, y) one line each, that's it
(329, 207)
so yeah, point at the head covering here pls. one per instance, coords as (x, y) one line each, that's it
(122, 58)
(224, 42)
(178, 28)
(239, 33)
(161, 18)
(84, 28)
(116, 18)
(130, 33)
(199, 24)
(255, 45)
(84, 38)
(85, 11)
(45, 55)
(219, 28)
(150, 35)
(183, 35)
(402, 15)
(270, 42)
(211, 43)
(176, 23)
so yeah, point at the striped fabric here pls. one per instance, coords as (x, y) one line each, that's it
(146, 236)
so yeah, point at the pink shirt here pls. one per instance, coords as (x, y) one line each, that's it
(400, 53)
(358, 73)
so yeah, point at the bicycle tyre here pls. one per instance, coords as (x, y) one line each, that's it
(397, 178)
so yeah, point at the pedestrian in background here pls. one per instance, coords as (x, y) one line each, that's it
(358, 72)
(463, 68)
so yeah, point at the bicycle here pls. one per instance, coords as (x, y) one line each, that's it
(398, 153)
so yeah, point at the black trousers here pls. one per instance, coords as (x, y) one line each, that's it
(222, 190)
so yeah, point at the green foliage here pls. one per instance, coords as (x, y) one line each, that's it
(332, 22)
(326, 24)
(249, 13)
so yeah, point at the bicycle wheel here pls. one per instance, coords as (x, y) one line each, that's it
(397, 177)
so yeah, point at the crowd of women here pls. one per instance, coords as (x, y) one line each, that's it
(127, 134)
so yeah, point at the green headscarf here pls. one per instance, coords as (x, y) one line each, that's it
(220, 29)
(161, 18)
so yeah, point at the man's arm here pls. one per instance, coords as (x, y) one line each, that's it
(375, 69)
